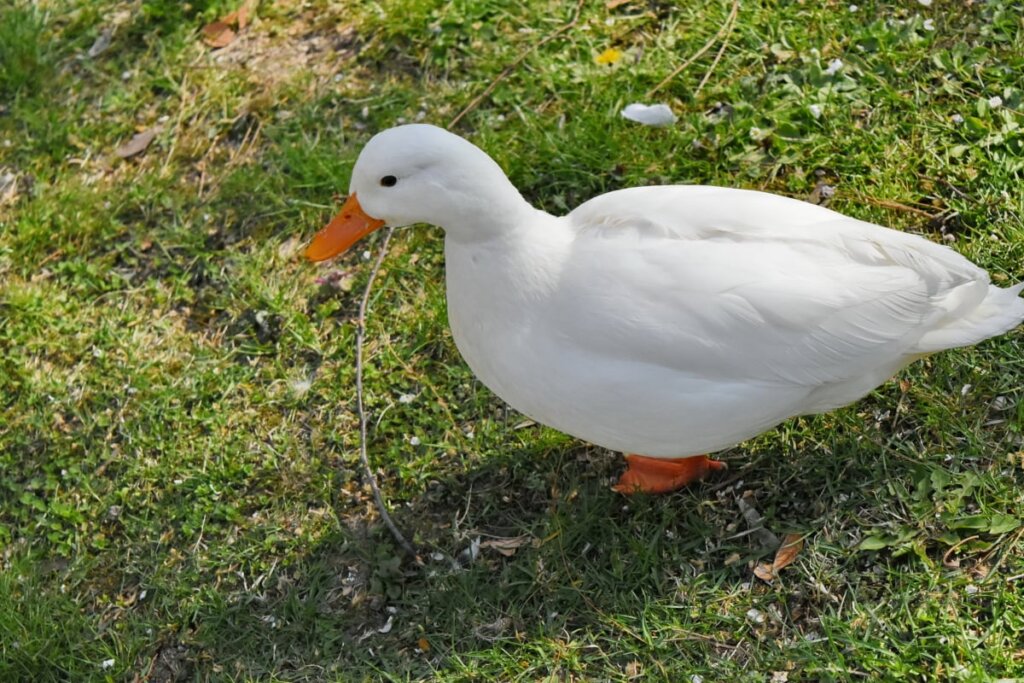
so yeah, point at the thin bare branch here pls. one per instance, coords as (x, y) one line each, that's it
(364, 304)
(363, 457)
(726, 27)
(714, 63)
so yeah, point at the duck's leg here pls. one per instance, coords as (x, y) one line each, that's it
(662, 475)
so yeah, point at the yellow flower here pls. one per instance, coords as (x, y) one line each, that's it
(609, 56)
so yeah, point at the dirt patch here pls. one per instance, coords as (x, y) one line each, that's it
(274, 58)
(170, 664)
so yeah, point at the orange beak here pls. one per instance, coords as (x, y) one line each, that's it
(348, 227)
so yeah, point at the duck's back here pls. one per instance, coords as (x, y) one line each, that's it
(798, 262)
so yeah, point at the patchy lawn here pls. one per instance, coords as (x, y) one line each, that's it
(181, 497)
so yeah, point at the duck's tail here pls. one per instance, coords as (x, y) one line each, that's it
(1000, 311)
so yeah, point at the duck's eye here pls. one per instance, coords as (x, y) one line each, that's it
(388, 181)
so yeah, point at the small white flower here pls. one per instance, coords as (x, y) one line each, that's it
(407, 398)
(815, 110)
(367, 255)
(759, 134)
(929, 24)
(833, 67)
(925, 3)
(696, 678)
(755, 616)
(414, 441)
(853, 8)
(107, 664)
(956, 118)
(995, 101)
(971, 589)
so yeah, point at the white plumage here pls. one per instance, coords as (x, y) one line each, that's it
(673, 320)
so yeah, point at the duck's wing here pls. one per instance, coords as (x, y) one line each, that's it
(743, 285)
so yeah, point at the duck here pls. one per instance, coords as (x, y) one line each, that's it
(666, 322)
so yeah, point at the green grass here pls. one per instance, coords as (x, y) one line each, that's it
(180, 495)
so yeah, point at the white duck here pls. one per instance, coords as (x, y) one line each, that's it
(669, 321)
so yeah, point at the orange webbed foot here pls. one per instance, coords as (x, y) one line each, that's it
(662, 475)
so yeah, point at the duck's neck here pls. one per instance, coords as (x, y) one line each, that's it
(486, 204)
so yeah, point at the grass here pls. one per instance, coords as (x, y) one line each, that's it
(181, 497)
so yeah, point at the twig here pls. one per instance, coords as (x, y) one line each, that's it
(363, 305)
(714, 63)
(896, 206)
(726, 27)
(363, 457)
(518, 60)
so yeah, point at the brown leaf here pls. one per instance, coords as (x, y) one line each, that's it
(506, 546)
(138, 143)
(784, 557)
(243, 14)
(791, 547)
(218, 34)
(423, 644)
(764, 571)
(612, 4)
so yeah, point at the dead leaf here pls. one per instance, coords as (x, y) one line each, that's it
(764, 571)
(612, 4)
(423, 644)
(218, 34)
(221, 33)
(506, 546)
(633, 669)
(243, 14)
(138, 143)
(784, 557)
(792, 544)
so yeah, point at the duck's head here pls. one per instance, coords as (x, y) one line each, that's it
(421, 174)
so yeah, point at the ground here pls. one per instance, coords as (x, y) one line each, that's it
(181, 496)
